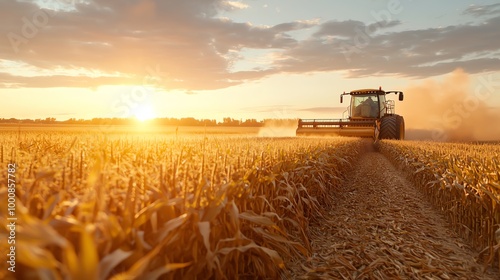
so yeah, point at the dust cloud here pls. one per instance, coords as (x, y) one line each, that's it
(450, 109)
(278, 128)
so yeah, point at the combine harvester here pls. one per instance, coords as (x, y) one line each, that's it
(370, 115)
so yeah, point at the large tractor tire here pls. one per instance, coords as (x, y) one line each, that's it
(392, 127)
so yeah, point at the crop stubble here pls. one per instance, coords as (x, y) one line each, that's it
(381, 227)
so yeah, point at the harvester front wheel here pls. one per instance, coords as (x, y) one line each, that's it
(392, 127)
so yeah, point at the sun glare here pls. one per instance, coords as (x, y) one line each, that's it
(144, 113)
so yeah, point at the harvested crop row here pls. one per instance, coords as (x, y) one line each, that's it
(382, 227)
(463, 181)
(98, 207)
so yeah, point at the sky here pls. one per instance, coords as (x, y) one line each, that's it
(243, 59)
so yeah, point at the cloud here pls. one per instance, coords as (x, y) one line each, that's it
(233, 5)
(482, 10)
(277, 109)
(11, 81)
(335, 111)
(291, 112)
(292, 26)
(195, 48)
(349, 27)
(185, 38)
(414, 53)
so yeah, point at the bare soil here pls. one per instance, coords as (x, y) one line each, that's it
(381, 227)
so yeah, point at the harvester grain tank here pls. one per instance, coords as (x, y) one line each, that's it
(370, 114)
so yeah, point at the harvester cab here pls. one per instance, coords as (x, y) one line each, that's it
(370, 114)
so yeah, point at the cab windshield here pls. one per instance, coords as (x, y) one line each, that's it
(364, 106)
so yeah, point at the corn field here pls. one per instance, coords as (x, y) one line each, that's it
(147, 206)
(96, 206)
(461, 180)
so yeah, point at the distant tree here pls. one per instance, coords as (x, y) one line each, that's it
(251, 123)
(229, 122)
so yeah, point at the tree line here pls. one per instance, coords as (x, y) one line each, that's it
(132, 121)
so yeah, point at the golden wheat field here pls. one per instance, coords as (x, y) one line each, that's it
(146, 206)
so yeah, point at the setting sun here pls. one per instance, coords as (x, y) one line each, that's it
(144, 112)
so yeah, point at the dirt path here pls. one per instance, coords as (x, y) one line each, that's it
(383, 228)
